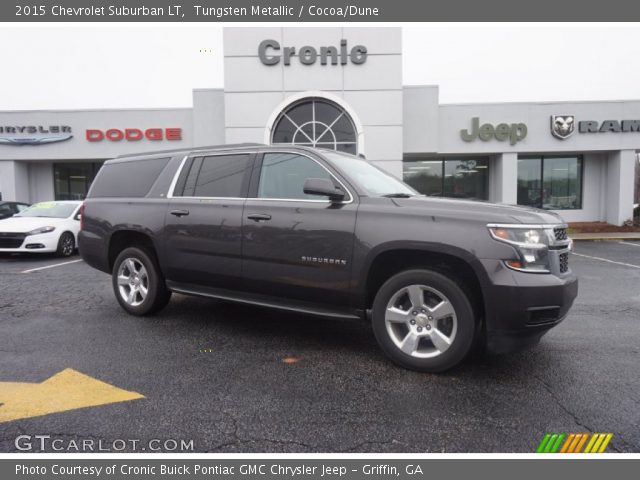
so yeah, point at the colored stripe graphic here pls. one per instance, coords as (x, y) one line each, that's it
(568, 442)
(592, 440)
(606, 441)
(543, 443)
(582, 441)
(574, 442)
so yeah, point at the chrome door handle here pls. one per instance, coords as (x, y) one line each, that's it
(259, 217)
(179, 213)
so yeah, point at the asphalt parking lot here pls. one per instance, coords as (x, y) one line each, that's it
(238, 379)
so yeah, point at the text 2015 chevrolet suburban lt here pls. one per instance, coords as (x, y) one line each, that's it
(330, 235)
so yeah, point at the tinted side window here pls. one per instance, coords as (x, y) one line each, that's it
(127, 179)
(283, 176)
(218, 176)
(192, 176)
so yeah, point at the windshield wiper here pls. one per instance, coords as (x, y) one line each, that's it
(398, 195)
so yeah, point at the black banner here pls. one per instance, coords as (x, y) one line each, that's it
(316, 10)
(314, 468)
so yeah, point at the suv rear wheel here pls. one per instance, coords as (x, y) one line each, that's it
(138, 283)
(423, 320)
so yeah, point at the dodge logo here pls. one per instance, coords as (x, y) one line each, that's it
(562, 126)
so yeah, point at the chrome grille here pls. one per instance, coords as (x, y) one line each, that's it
(564, 262)
(560, 234)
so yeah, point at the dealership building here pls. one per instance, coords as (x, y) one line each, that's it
(342, 88)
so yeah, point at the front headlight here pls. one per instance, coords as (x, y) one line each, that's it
(40, 230)
(530, 241)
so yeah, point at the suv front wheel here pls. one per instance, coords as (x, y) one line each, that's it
(138, 283)
(423, 320)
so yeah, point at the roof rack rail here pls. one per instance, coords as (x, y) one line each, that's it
(191, 149)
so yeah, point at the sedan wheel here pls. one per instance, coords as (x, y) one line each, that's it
(66, 245)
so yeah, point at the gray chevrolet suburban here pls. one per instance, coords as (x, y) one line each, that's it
(329, 235)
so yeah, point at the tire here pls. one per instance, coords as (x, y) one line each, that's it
(412, 331)
(141, 271)
(66, 245)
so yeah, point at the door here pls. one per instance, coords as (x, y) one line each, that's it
(295, 245)
(204, 220)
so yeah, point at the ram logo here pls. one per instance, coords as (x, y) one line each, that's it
(562, 126)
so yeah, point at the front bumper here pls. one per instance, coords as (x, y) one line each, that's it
(43, 243)
(521, 307)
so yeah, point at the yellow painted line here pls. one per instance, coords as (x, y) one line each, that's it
(51, 266)
(606, 441)
(66, 390)
(593, 439)
(581, 443)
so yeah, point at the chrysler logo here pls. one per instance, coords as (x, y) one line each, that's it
(562, 126)
(34, 134)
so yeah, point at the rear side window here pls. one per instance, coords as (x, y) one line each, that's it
(127, 179)
(221, 176)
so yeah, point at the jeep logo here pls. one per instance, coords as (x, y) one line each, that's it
(269, 53)
(514, 132)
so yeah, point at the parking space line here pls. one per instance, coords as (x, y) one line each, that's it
(630, 243)
(51, 266)
(631, 265)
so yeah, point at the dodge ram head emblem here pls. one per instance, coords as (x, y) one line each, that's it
(562, 126)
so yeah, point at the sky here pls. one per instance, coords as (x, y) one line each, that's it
(152, 66)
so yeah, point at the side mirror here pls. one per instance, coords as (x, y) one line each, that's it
(324, 187)
(77, 216)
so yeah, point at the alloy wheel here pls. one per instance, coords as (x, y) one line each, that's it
(133, 281)
(67, 245)
(421, 321)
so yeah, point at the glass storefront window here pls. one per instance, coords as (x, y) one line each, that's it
(552, 183)
(72, 180)
(458, 178)
(530, 182)
(466, 179)
(425, 176)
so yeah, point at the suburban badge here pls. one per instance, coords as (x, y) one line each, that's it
(327, 261)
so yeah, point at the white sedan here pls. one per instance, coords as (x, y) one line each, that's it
(43, 227)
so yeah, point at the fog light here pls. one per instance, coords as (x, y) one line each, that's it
(34, 246)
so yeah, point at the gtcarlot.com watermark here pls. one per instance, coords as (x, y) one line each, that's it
(47, 443)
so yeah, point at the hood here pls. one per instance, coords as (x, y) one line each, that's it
(478, 211)
(26, 224)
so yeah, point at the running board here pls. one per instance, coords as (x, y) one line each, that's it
(261, 301)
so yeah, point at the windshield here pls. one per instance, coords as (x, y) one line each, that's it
(373, 180)
(49, 210)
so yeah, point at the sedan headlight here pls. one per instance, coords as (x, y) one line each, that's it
(40, 230)
(530, 241)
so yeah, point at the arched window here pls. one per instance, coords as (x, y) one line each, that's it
(316, 122)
